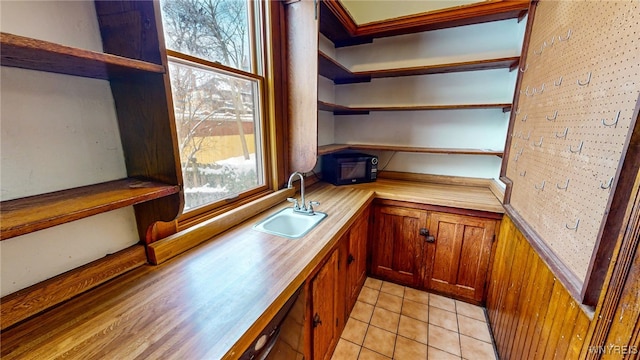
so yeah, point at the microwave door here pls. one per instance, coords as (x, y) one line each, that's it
(353, 170)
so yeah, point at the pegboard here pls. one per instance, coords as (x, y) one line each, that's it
(580, 85)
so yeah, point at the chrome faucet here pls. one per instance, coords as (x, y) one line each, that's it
(303, 206)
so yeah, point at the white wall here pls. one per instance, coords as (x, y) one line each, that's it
(464, 43)
(57, 132)
(477, 129)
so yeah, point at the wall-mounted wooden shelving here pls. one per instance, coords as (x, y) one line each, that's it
(27, 53)
(140, 87)
(29, 214)
(349, 110)
(328, 149)
(333, 70)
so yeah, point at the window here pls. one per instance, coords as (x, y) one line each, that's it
(217, 81)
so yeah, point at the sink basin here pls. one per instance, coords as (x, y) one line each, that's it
(289, 223)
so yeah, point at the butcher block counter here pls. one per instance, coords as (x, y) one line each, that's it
(212, 301)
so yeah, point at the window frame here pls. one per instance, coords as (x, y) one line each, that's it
(264, 64)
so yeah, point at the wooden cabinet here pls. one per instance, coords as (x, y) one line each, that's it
(424, 247)
(325, 308)
(139, 82)
(396, 247)
(335, 287)
(356, 260)
(458, 259)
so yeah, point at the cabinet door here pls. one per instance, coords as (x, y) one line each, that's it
(459, 258)
(357, 259)
(324, 292)
(397, 246)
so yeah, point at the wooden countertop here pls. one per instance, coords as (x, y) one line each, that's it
(212, 301)
(456, 196)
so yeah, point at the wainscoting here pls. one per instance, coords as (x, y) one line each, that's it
(531, 314)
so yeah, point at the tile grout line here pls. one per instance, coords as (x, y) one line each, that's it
(428, 322)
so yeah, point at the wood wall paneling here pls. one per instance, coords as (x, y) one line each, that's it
(532, 315)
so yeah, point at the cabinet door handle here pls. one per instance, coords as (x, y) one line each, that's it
(350, 259)
(428, 238)
(316, 320)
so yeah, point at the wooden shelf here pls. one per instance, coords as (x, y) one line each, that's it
(348, 110)
(327, 149)
(26, 53)
(25, 215)
(333, 70)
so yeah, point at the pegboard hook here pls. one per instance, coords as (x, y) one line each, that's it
(585, 82)
(541, 186)
(578, 150)
(524, 173)
(528, 136)
(615, 121)
(525, 68)
(566, 38)
(538, 91)
(539, 144)
(566, 185)
(564, 134)
(526, 91)
(544, 44)
(559, 82)
(539, 52)
(574, 227)
(524, 118)
(555, 115)
(608, 186)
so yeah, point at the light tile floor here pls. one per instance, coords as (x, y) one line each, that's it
(390, 321)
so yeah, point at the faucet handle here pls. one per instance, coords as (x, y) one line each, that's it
(311, 205)
(295, 203)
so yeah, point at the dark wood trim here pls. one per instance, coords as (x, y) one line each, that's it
(616, 220)
(516, 99)
(570, 281)
(508, 183)
(444, 209)
(338, 26)
(278, 79)
(30, 301)
(620, 273)
(464, 15)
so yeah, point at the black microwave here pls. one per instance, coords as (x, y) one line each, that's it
(349, 168)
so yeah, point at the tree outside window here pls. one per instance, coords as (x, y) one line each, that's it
(216, 90)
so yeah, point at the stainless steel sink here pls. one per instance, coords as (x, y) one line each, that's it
(289, 223)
